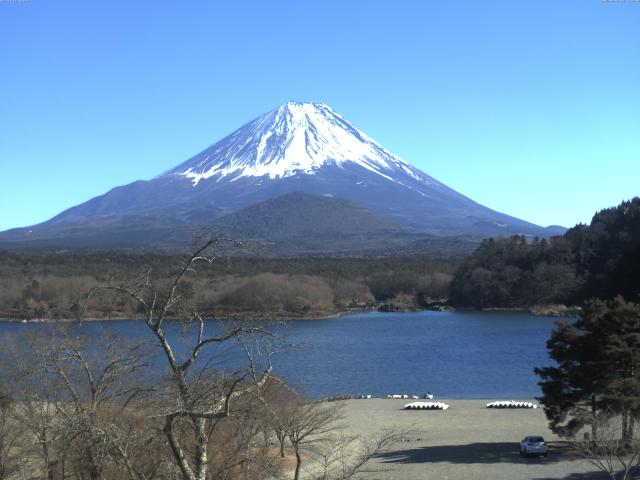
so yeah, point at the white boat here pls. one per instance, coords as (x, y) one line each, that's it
(511, 404)
(426, 406)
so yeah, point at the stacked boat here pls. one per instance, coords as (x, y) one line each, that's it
(426, 406)
(511, 404)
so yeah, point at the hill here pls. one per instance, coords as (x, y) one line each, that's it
(598, 260)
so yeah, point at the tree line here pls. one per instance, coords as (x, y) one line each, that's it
(600, 260)
(591, 392)
(51, 286)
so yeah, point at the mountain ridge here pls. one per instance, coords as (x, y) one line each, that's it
(297, 147)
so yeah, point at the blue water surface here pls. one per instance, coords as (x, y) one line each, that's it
(452, 354)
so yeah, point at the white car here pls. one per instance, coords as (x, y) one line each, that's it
(533, 445)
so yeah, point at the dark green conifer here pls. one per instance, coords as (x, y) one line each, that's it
(596, 372)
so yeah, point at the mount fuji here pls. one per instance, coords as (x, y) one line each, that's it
(297, 147)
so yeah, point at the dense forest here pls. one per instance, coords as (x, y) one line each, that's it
(600, 260)
(53, 286)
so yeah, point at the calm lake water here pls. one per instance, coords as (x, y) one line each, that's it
(452, 354)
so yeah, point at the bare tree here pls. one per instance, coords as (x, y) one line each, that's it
(34, 408)
(201, 395)
(94, 385)
(311, 425)
(11, 437)
(279, 403)
(79, 403)
(612, 451)
(316, 431)
(349, 456)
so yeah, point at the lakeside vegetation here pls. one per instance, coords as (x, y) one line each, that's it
(600, 260)
(53, 286)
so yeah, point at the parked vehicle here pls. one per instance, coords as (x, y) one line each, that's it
(533, 445)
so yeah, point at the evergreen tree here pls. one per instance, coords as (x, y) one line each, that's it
(597, 361)
(597, 260)
(620, 323)
(570, 389)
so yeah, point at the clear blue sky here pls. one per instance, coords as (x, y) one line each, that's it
(529, 107)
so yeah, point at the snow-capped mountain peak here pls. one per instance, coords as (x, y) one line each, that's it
(295, 138)
(302, 154)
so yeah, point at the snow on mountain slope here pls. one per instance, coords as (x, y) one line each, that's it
(297, 147)
(295, 138)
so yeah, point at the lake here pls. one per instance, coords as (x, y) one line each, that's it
(451, 354)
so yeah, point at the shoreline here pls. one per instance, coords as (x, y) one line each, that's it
(536, 311)
(226, 316)
(540, 310)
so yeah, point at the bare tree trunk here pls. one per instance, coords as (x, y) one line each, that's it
(594, 424)
(49, 469)
(202, 459)
(296, 475)
(45, 455)
(281, 435)
(178, 453)
(63, 471)
(94, 469)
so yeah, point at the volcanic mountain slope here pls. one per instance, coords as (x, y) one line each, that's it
(299, 224)
(298, 147)
(299, 214)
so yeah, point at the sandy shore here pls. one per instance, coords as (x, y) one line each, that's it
(467, 441)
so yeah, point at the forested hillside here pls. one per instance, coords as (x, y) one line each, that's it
(51, 286)
(598, 260)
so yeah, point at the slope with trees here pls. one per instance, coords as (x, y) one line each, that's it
(598, 260)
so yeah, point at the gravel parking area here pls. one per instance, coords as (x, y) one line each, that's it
(467, 441)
